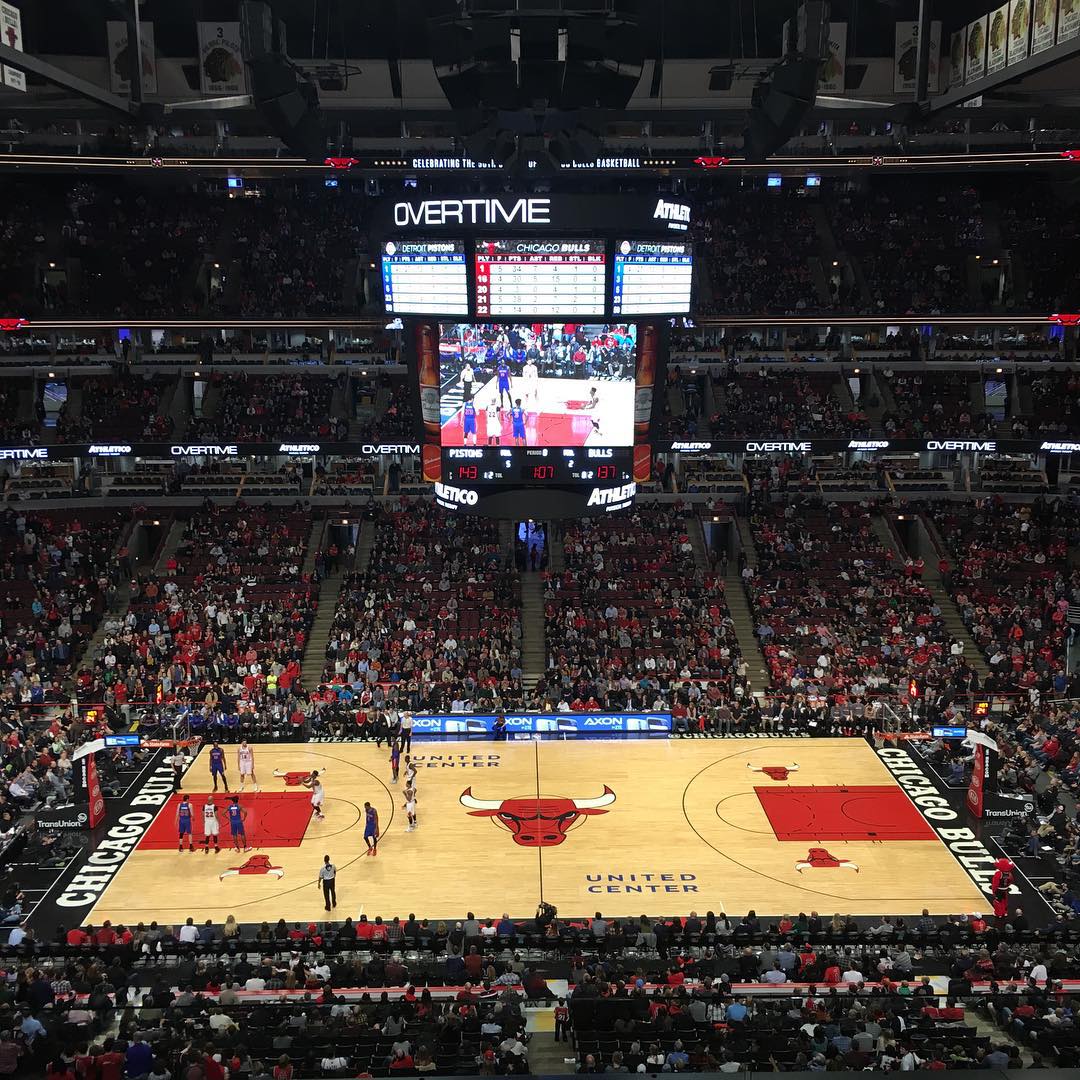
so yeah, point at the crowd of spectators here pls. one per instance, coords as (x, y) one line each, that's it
(219, 636)
(757, 246)
(434, 623)
(632, 624)
(57, 575)
(1043, 230)
(1012, 582)
(140, 251)
(787, 403)
(912, 246)
(255, 408)
(115, 406)
(291, 249)
(836, 615)
(937, 403)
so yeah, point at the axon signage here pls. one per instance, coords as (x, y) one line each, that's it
(25, 453)
(523, 211)
(973, 445)
(206, 450)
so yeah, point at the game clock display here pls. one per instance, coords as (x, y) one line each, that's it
(538, 467)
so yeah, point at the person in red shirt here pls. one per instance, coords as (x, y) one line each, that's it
(106, 935)
(110, 1062)
(78, 936)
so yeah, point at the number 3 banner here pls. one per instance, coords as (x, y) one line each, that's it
(221, 63)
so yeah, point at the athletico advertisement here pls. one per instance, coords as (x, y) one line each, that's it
(520, 725)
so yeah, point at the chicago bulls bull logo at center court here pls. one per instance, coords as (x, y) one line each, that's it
(257, 864)
(533, 821)
(775, 772)
(820, 859)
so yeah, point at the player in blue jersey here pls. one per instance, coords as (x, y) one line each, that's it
(371, 829)
(237, 817)
(502, 374)
(395, 761)
(217, 766)
(183, 824)
(468, 417)
(517, 415)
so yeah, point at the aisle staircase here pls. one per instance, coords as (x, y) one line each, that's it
(533, 637)
(743, 619)
(365, 544)
(311, 667)
(172, 542)
(696, 532)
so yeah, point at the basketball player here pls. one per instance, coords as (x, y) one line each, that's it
(395, 762)
(211, 825)
(410, 806)
(468, 422)
(237, 817)
(530, 375)
(183, 824)
(410, 772)
(318, 794)
(371, 829)
(494, 423)
(217, 766)
(517, 414)
(467, 378)
(502, 372)
(245, 765)
(593, 403)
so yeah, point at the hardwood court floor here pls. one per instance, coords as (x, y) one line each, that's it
(693, 825)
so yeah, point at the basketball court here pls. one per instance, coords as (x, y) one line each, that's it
(557, 413)
(646, 826)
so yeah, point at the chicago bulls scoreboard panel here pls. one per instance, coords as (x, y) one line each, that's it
(658, 826)
(536, 397)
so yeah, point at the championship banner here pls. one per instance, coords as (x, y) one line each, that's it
(1044, 25)
(978, 778)
(1019, 30)
(221, 62)
(122, 62)
(11, 35)
(906, 55)
(975, 49)
(997, 39)
(832, 73)
(956, 59)
(1068, 20)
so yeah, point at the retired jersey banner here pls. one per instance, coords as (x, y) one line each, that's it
(832, 74)
(906, 57)
(956, 59)
(123, 63)
(1019, 30)
(1068, 20)
(975, 49)
(1044, 25)
(11, 35)
(997, 40)
(221, 61)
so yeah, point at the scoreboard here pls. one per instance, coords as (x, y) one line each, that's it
(538, 466)
(425, 275)
(528, 278)
(652, 278)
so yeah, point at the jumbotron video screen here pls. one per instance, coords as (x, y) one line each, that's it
(537, 385)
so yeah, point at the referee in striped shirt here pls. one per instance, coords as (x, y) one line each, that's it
(327, 879)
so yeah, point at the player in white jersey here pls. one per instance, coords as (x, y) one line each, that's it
(211, 825)
(410, 806)
(530, 377)
(318, 794)
(493, 423)
(245, 765)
